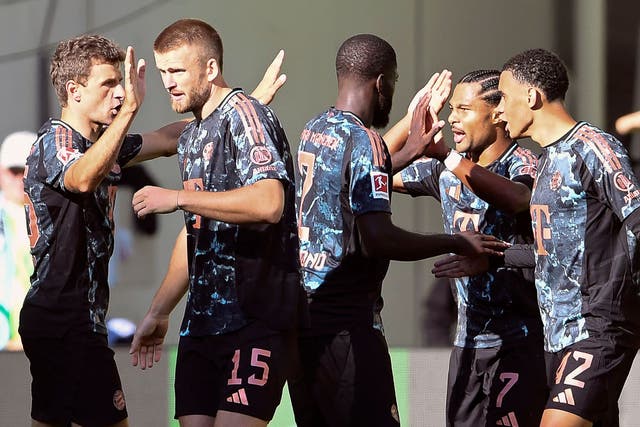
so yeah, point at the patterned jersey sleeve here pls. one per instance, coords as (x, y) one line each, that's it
(607, 160)
(260, 141)
(130, 148)
(523, 166)
(421, 178)
(370, 167)
(59, 150)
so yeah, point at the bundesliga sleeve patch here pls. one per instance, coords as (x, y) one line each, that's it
(380, 185)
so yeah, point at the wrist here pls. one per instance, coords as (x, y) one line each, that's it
(452, 160)
(178, 204)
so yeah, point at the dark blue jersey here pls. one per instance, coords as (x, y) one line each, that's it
(71, 235)
(344, 171)
(498, 307)
(585, 221)
(238, 273)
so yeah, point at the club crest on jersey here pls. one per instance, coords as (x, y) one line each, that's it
(116, 169)
(380, 185)
(624, 184)
(556, 181)
(260, 155)
(118, 400)
(65, 155)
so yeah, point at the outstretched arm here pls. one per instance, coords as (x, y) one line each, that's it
(505, 194)
(516, 256)
(86, 173)
(262, 202)
(628, 123)
(380, 238)
(146, 347)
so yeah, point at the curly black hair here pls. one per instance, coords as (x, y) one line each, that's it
(364, 56)
(542, 69)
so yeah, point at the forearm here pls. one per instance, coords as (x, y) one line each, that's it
(262, 202)
(88, 171)
(162, 142)
(628, 123)
(402, 245)
(517, 256)
(507, 195)
(380, 238)
(176, 281)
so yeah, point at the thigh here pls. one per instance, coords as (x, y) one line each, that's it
(467, 400)
(75, 379)
(51, 384)
(518, 386)
(347, 380)
(240, 372)
(260, 362)
(586, 379)
(198, 375)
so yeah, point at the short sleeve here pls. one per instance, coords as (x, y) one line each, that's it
(370, 173)
(608, 162)
(421, 178)
(259, 140)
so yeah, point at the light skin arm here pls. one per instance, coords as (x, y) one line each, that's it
(380, 238)
(628, 123)
(86, 173)
(262, 202)
(146, 347)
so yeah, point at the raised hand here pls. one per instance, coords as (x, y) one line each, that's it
(439, 86)
(134, 82)
(423, 127)
(271, 82)
(146, 347)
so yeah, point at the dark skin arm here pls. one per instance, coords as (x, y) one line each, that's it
(510, 196)
(380, 238)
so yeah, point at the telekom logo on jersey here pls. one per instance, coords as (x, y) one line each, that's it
(540, 217)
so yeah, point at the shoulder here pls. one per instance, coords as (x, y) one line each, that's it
(248, 109)
(595, 145)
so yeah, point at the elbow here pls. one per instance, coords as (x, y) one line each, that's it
(84, 186)
(271, 213)
(372, 249)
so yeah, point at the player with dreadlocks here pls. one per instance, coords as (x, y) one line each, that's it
(496, 369)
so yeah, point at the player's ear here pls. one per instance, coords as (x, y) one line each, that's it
(495, 116)
(213, 69)
(73, 91)
(534, 98)
(380, 82)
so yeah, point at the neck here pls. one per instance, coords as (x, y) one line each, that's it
(493, 152)
(81, 124)
(357, 98)
(219, 90)
(551, 122)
